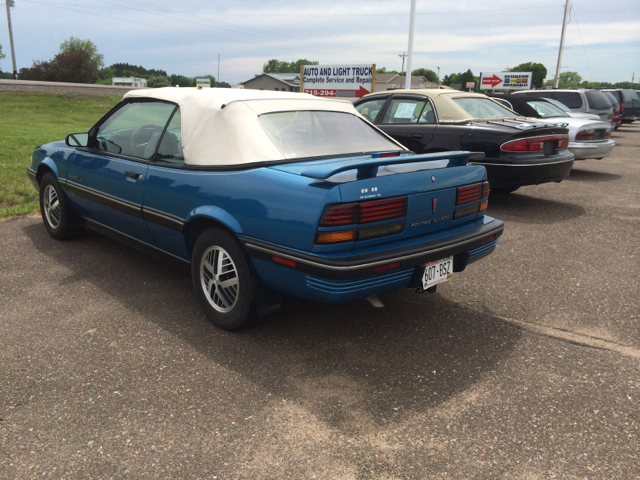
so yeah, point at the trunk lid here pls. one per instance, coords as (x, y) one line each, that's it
(428, 181)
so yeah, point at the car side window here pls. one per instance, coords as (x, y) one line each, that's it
(403, 110)
(134, 129)
(370, 109)
(170, 148)
(570, 99)
(427, 115)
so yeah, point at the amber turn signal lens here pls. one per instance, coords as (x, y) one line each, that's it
(335, 237)
(484, 205)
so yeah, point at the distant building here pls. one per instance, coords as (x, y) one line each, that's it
(279, 82)
(394, 81)
(203, 82)
(128, 82)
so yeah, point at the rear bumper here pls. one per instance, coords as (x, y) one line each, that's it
(582, 151)
(338, 279)
(511, 175)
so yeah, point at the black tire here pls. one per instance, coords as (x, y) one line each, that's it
(59, 220)
(229, 307)
(502, 191)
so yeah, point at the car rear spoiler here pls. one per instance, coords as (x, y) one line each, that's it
(369, 168)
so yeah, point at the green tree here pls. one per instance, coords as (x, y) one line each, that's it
(2, 55)
(466, 77)
(569, 79)
(157, 82)
(277, 66)
(74, 44)
(224, 85)
(538, 69)
(384, 70)
(426, 73)
(73, 66)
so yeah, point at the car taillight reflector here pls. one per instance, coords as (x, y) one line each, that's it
(284, 261)
(484, 205)
(336, 237)
(383, 210)
(335, 215)
(622, 108)
(384, 268)
(535, 144)
(607, 134)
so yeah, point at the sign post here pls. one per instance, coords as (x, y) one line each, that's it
(341, 81)
(506, 81)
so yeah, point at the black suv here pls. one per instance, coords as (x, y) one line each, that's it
(629, 103)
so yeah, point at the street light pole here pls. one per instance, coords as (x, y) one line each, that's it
(412, 22)
(13, 51)
(564, 24)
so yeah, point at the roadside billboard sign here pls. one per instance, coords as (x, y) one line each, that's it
(506, 81)
(203, 82)
(342, 81)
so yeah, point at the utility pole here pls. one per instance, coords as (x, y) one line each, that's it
(633, 77)
(438, 77)
(402, 71)
(13, 51)
(564, 24)
(412, 22)
(218, 79)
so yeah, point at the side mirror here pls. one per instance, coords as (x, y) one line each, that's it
(77, 139)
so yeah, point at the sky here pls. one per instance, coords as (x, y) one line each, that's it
(186, 37)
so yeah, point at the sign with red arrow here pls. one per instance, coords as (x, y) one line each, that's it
(347, 81)
(506, 81)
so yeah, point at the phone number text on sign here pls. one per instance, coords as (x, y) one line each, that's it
(321, 93)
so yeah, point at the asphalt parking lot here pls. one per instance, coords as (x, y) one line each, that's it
(526, 366)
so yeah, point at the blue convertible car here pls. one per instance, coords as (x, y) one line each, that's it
(264, 193)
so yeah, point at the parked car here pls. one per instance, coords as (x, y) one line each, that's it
(587, 138)
(578, 100)
(265, 193)
(517, 151)
(629, 103)
(616, 120)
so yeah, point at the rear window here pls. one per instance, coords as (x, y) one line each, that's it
(570, 99)
(629, 95)
(545, 109)
(611, 98)
(483, 108)
(302, 133)
(597, 100)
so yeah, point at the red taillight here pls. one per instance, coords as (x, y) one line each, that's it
(384, 268)
(335, 215)
(472, 193)
(535, 144)
(383, 210)
(622, 108)
(607, 134)
(586, 134)
(284, 261)
(365, 212)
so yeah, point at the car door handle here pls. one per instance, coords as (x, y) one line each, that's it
(134, 175)
(416, 135)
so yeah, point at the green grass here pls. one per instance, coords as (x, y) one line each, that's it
(28, 120)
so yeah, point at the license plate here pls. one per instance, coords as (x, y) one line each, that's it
(437, 272)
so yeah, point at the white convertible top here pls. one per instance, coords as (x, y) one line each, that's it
(220, 125)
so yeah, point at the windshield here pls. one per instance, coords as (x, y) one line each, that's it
(301, 134)
(545, 109)
(483, 108)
